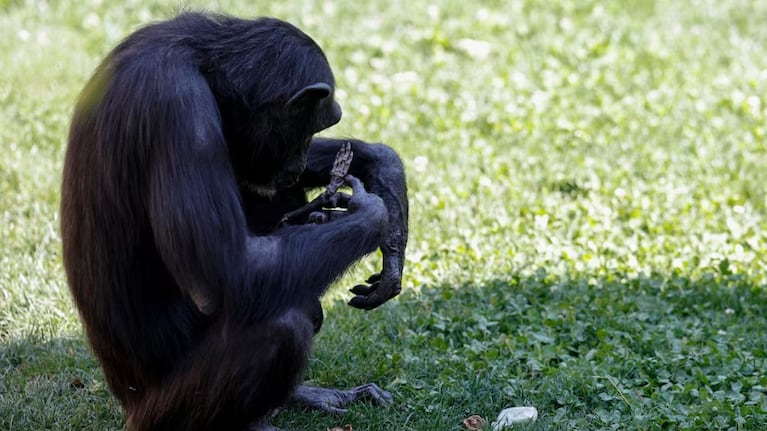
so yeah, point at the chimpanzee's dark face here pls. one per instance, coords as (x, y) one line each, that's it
(311, 110)
(327, 114)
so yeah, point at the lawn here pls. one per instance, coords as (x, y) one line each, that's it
(588, 188)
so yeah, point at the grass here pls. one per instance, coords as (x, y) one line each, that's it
(588, 222)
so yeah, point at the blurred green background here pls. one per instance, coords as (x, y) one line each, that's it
(588, 188)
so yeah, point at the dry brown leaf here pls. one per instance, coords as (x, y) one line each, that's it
(76, 383)
(474, 422)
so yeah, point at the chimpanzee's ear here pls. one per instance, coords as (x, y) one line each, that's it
(307, 97)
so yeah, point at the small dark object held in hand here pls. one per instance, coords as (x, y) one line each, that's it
(330, 197)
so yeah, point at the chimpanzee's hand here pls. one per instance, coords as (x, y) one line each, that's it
(368, 204)
(381, 287)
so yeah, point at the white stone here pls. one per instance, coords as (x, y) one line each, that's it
(514, 415)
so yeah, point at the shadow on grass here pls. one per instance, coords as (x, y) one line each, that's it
(647, 352)
(643, 352)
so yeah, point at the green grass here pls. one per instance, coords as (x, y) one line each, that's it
(588, 185)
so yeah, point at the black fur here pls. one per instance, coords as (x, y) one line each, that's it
(184, 151)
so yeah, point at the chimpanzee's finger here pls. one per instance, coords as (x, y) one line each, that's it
(366, 302)
(339, 200)
(363, 289)
(317, 217)
(355, 184)
(371, 301)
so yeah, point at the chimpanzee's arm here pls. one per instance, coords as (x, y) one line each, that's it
(199, 226)
(382, 173)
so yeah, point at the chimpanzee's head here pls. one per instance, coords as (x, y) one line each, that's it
(274, 93)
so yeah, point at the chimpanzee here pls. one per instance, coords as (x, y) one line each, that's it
(187, 146)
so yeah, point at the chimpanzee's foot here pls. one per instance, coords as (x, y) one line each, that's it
(334, 400)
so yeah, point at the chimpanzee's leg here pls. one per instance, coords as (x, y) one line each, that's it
(232, 379)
